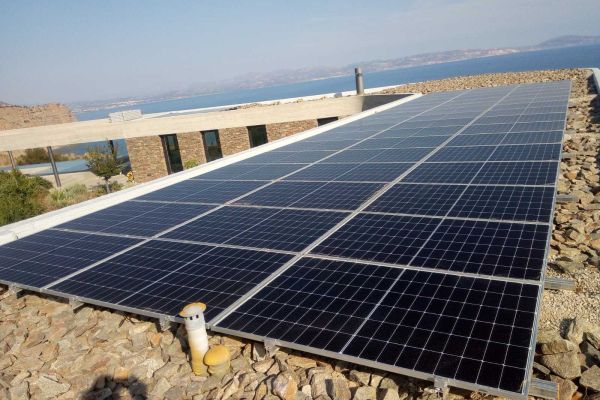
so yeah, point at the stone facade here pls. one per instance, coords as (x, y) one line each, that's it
(284, 129)
(147, 155)
(191, 147)
(147, 158)
(234, 140)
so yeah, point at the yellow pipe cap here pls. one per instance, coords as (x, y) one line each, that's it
(192, 309)
(217, 355)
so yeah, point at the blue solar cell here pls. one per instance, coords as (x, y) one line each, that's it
(203, 191)
(45, 257)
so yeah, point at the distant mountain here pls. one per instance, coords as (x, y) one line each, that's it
(282, 77)
(569, 41)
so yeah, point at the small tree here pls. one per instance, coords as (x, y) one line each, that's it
(21, 196)
(103, 162)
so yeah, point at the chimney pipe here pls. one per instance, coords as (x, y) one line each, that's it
(360, 85)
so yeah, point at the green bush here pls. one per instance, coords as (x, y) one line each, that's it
(38, 156)
(103, 162)
(190, 164)
(73, 194)
(21, 196)
(113, 187)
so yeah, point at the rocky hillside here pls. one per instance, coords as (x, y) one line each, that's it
(12, 117)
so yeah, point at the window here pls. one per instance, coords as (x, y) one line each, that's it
(212, 145)
(172, 155)
(323, 121)
(258, 135)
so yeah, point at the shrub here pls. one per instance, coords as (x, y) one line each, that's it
(112, 187)
(190, 164)
(58, 198)
(38, 156)
(103, 162)
(21, 196)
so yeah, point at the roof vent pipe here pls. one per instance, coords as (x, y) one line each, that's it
(360, 84)
(197, 338)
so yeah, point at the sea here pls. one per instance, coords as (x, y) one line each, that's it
(569, 57)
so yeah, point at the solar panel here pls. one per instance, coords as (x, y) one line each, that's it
(413, 240)
(136, 218)
(44, 257)
(161, 276)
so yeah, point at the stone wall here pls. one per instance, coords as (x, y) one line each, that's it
(191, 147)
(284, 129)
(147, 155)
(234, 140)
(147, 158)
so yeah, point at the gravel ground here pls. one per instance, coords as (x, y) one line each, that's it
(47, 351)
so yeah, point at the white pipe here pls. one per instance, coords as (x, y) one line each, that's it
(195, 326)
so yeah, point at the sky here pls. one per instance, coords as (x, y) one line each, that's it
(79, 50)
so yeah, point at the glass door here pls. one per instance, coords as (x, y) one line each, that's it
(172, 155)
(212, 145)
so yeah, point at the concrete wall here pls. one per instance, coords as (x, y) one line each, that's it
(102, 129)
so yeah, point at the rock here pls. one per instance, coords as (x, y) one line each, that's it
(306, 390)
(301, 362)
(575, 330)
(166, 371)
(121, 374)
(541, 368)
(263, 366)
(338, 389)
(285, 386)
(388, 394)
(360, 377)
(159, 390)
(19, 392)
(318, 385)
(258, 351)
(566, 388)
(241, 364)
(365, 393)
(175, 393)
(376, 380)
(231, 388)
(567, 266)
(154, 338)
(558, 346)
(211, 383)
(591, 353)
(565, 365)
(101, 394)
(591, 378)
(592, 335)
(50, 387)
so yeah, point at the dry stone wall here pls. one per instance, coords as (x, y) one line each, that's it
(147, 158)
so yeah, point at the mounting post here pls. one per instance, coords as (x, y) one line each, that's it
(75, 304)
(554, 283)
(14, 291)
(542, 388)
(360, 84)
(164, 324)
(271, 346)
(53, 164)
(12, 159)
(566, 198)
(441, 386)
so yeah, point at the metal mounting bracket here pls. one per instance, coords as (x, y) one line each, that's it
(15, 291)
(542, 388)
(75, 304)
(164, 324)
(566, 198)
(271, 347)
(554, 283)
(441, 387)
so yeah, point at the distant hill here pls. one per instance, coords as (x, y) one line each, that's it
(282, 77)
(569, 41)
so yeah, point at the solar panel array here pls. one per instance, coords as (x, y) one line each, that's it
(413, 240)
